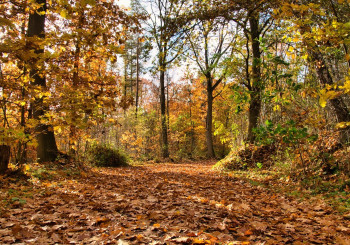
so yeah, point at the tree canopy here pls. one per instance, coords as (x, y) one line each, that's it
(178, 79)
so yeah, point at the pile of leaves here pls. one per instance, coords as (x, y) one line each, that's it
(331, 155)
(304, 168)
(250, 156)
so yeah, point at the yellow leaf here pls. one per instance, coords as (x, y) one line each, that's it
(323, 98)
(323, 102)
(327, 95)
(277, 108)
(113, 59)
(64, 13)
(335, 24)
(346, 86)
(342, 125)
(26, 168)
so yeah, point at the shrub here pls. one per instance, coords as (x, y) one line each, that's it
(107, 156)
(248, 156)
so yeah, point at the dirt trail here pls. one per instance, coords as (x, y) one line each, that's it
(166, 204)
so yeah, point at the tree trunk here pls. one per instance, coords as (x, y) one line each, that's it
(167, 104)
(340, 108)
(254, 113)
(192, 127)
(209, 120)
(256, 88)
(73, 113)
(22, 146)
(137, 76)
(47, 148)
(165, 146)
(5, 152)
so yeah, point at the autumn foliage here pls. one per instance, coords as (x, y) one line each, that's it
(212, 108)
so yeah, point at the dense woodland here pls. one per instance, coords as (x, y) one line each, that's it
(224, 110)
(178, 79)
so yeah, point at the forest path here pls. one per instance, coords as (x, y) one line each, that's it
(185, 203)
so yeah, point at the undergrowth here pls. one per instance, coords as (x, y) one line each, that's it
(103, 155)
(317, 170)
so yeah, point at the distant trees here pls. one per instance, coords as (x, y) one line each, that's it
(254, 69)
(135, 54)
(211, 44)
(168, 36)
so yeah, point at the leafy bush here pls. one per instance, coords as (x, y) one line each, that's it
(107, 156)
(288, 134)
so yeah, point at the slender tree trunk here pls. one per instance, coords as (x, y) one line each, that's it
(168, 105)
(256, 88)
(165, 146)
(137, 76)
(125, 83)
(209, 119)
(192, 128)
(73, 128)
(47, 148)
(22, 146)
(131, 84)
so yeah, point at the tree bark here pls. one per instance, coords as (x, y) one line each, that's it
(137, 76)
(209, 119)
(47, 148)
(340, 108)
(341, 111)
(192, 127)
(5, 151)
(165, 145)
(256, 88)
(22, 146)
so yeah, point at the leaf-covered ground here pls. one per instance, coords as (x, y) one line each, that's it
(184, 203)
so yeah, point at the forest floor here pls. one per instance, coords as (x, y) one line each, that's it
(185, 203)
